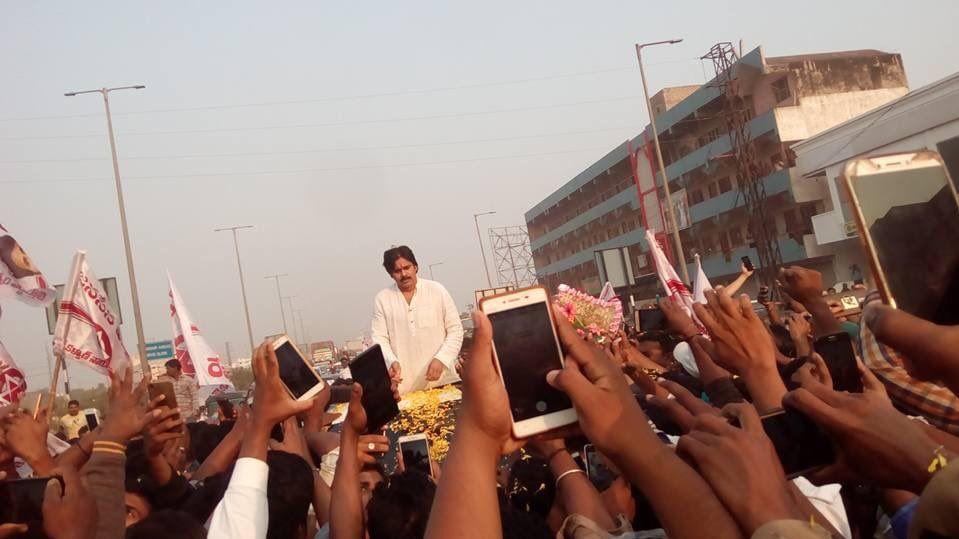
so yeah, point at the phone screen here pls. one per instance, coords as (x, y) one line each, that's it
(526, 349)
(596, 469)
(92, 422)
(369, 370)
(21, 502)
(837, 351)
(913, 220)
(748, 264)
(801, 445)
(652, 320)
(416, 455)
(166, 389)
(295, 373)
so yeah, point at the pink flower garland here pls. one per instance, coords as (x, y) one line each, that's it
(592, 317)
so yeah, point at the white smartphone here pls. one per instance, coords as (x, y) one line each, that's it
(526, 347)
(415, 449)
(92, 416)
(297, 374)
(907, 212)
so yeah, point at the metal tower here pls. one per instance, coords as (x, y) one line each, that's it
(512, 256)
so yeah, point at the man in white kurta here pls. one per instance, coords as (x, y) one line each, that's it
(416, 323)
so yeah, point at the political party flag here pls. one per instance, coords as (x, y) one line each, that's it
(87, 330)
(13, 384)
(19, 277)
(701, 285)
(197, 358)
(676, 290)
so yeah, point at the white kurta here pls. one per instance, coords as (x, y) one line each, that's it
(414, 333)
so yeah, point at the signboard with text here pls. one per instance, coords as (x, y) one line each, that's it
(160, 350)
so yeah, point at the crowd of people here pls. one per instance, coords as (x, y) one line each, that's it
(674, 416)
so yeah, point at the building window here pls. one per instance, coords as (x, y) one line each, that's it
(713, 190)
(736, 237)
(781, 89)
(695, 197)
(725, 185)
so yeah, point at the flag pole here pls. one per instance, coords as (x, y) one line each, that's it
(63, 321)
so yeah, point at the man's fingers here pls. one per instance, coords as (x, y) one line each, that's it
(694, 404)
(570, 380)
(820, 412)
(573, 344)
(869, 380)
(53, 490)
(480, 363)
(12, 530)
(746, 414)
(705, 316)
(676, 412)
(746, 307)
(713, 424)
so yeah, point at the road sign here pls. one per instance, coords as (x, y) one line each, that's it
(160, 350)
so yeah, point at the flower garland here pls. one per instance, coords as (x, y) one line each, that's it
(593, 318)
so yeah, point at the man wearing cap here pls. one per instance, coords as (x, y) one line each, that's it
(184, 388)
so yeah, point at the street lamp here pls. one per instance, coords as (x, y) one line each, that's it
(476, 217)
(279, 296)
(239, 267)
(138, 321)
(289, 300)
(659, 156)
(431, 268)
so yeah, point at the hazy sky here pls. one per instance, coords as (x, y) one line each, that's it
(340, 128)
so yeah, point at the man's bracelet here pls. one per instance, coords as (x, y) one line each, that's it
(567, 472)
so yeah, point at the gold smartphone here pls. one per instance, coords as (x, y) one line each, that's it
(907, 212)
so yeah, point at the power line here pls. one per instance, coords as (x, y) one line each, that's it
(324, 150)
(313, 170)
(332, 124)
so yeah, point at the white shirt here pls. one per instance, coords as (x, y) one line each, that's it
(828, 501)
(243, 512)
(416, 332)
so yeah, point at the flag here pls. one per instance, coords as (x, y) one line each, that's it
(197, 358)
(87, 330)
(13, 384)
(702, 283)
(19, 277)
(676, 290)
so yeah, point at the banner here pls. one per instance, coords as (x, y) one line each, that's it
(197, 358)
(19, 277)
(13, 384)
(676, 290)
(87, 330)
(701, 284)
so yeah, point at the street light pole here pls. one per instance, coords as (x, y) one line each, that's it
(289, 299)
(279, 296)
(431, 268)
(479, 238)
(138, 320)
(239, 267)
(678, 244)
(303, 335)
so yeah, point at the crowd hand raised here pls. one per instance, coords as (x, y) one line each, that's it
(69, 512)
(608, 413)
(26, 438)
(370, 447)
(814, 372)
(876, 442)
(742, 343)
(272, 403)
(741, 466)
(126, 417)
(435, 370)
(293, 441)
(802, 284)
(800, 330)
(314, 419)
(680, 405)
(678, 320)
(162, 428)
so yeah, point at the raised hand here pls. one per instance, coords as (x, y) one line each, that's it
(371, 447)
(69, 512)
(293, 441)
(271, 401)
(679, 322)
(26, 438)
(682, 407)
(802, 284)
(162, 428)
(800, 331)
(876, 441)
(126, 418)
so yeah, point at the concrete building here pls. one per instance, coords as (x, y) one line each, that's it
(926, 118)
(611, 203)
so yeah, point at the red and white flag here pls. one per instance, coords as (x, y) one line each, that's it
(701, 285)
(12, 382)
(19, 277)
(197, 358)
(87, 330)
(676, 290)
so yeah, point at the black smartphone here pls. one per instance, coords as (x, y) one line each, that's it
(600, 475)
(21, 502)
(369, 370)
(415, 449)
(800, 444)
(652, 319)
(840, 357)
(763, 296)
(748, 263)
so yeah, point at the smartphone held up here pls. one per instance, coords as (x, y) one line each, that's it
(296, 373)
(526, 347)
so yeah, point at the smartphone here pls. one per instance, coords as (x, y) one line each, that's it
(92, 416)
(526, 347)
(156, 389)
(415, 449)
(369, 370)
(840, 357)
(652, 319)
(907, 213)
(21, 502)
(295, 372)
(600, 475)
(800, 444)
(748, 263)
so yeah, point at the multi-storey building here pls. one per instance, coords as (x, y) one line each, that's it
(611, 203)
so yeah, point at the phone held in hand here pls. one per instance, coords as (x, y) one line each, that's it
(21, 502)
(299, 377)
(748, 263)
(155, 389)
(415, 449)
(840, 357)
(801, 445)
(651, 319)
(909, 234)
(526, 347)
(369, 370)
(92, 415)
(600, 475)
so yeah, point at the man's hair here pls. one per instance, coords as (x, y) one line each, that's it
(167, 523)
(662, 337)
(72, 402)
(390, 256)
(401, 508)
(175, 363)
(530, 487)
(289, 492)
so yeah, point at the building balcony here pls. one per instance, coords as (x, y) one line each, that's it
(775, 183)
(626, 196)
(587, 255)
